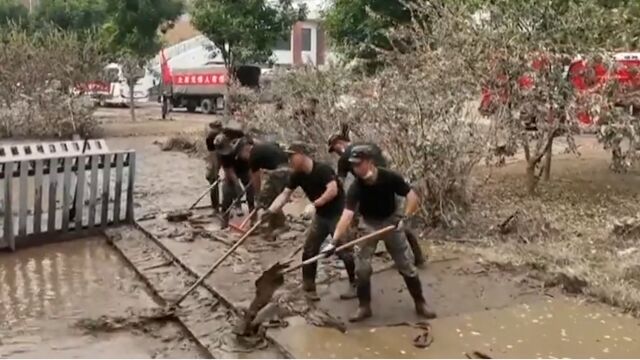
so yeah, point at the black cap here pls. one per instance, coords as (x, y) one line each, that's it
(215, 125)
(239, 143)
(299, 148)
(333, 139)
(222, 145)
(360, 152)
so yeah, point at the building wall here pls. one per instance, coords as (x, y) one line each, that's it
(186, 53)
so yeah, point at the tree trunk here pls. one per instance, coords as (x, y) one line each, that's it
(546, 172)
(532, 180)
(132, 102)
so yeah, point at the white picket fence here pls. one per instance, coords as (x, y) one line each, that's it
(43, 185)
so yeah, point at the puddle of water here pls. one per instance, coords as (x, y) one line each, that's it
(45, 290)
(550, 329)
(66, 280)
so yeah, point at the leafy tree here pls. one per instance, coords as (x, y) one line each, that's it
(72, 14)
(132, 34)
(359, 27)
(244, 31)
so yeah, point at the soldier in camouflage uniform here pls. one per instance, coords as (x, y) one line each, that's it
(213, 162)
(269, 173)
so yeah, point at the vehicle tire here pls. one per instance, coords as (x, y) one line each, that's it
(191, 107)
(207, 106)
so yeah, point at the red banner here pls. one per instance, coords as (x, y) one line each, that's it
(199, 79)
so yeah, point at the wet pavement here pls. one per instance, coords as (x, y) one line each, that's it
(46, 291)
(553, 328)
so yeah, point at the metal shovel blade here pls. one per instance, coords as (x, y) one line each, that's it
(266, 285)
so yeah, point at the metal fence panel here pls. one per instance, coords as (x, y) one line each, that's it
(40, 189)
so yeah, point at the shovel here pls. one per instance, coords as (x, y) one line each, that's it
(273, 278)
(204, 194)
(217, 263)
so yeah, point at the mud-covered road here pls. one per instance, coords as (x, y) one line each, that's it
(87, 298)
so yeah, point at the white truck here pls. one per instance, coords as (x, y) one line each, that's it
(113, 89)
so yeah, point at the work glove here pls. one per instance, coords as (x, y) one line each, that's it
(308, 212)
(328, 249)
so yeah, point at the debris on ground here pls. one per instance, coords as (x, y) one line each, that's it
(179, 215)
(131, 320)
(425, 339)
(627, 226)
(477, 355)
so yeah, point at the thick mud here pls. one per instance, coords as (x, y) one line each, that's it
(208, 317)
(554, 328)
(49, 296)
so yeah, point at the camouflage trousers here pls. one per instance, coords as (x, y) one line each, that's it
(212, 176)
(273, 183)
(395, 243)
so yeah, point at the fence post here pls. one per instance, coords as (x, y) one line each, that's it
(8, 208)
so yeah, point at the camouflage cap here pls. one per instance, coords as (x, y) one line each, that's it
(299, 147)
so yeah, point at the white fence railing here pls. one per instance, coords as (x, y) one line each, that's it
(50, 190)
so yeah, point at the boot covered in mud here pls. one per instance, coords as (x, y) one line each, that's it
(309, 288)
(364, 302)
(419, 257)
(415, 289)
(350, 293)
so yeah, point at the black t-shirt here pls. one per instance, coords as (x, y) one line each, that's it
(344, 166)
(232, 161)
(314, 184)
(266, 156)
(377, 201)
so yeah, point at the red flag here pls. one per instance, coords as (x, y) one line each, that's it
(164, 69)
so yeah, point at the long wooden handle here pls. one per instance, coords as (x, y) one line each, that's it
(217, 263)
(204, 193)
(352, 243)
(246, 221)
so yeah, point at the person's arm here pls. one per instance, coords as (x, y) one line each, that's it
(279, 202)
(329, 194)
(402, 188)
(342, 228)
(256, 180)
(346, 218)
(411, 204)
(230, 173)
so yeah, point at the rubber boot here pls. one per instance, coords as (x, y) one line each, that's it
(418, 255)
(309, 287)
(350, 293)
(364, 299)
(415, 289)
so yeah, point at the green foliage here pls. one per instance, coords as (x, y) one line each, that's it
(132, 25)
(359, 27)
(39, 72)
(12, 11)
(72, 14)
(245, 31)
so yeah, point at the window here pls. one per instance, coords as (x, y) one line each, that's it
(306, 39)
(284, 43)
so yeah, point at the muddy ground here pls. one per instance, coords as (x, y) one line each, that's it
(80, 299)
(559, 255)
(561, 246)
